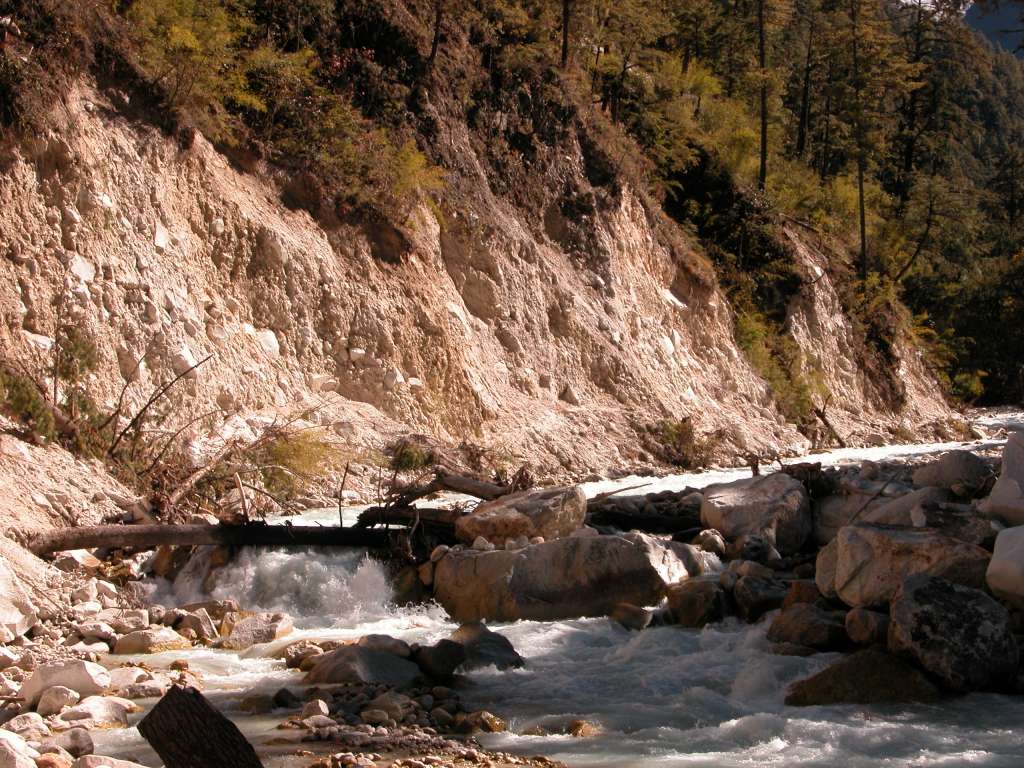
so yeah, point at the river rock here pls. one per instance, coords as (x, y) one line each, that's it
(353, 664)
(485, 648)
(1006, 501)
(124, 620)
(96, 712)
(825, 569)
(901, 510)
(17, 612)
(959, 471)
(775, 506)
(807, 624)
(244, 631)
(29, 725)
(100, 761)
(631, 617)
(1005, 574)
(440, 660)
(200, 622)
(696, 603)
(55, 699)
(872, 561)
(386, 644)
(958, 634)
(155, 640)
(75, 741)
(564, 578)
(756, 595)
(10, 757)
(833, 512)
(801, 591)
(551, 513)
(83, 677)
(866, 627)
(870, 676)
(10, 742)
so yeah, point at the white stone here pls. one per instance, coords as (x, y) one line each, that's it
(217, 227)
(86, 593)
(17, 612)
(316, 707)
(83, 269)
(356, 354)
(55, 699)
(154, 640)
(268, 342)
(83, 677)
(10, 757)
(774, 506)
(161, 237)
(393, 378)
(96, 712)
(182, 361)
(1006, 501)
(1005, 575)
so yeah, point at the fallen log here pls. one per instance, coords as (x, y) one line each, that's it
(409, 516)
(186, 731)
(251, 535)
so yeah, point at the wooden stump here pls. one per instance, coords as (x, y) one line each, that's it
(187, 732)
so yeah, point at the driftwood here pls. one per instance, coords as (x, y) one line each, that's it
(409, 516)
(253, 534)
(664, 512)
(186, 732)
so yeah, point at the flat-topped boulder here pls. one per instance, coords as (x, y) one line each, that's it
(82, 677)
(155, 640)
(1005, 575)
(358, 664)
(550, 513)
(774, 506)
(871, 561)
(566, 578)
(870, 676)
(959, 471)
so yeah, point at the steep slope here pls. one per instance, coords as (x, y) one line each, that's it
(550, 339)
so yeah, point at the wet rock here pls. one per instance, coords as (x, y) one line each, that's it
(386, 644)
(298, 653)
(959, 471)
(756, 595)
(55, 699)
(563, 579)
(83, 677)
(630, 616)
(872, 561)
(870, 676)
(866, 627)
(482, 721)
(485, 648)
(155, 640)
(1006, 501)
(775, 506)
(958, 634)
(285, 699)
(809, 625)
(199, 622)
(696, 603)
(246, 631)
(439, 661)
(315, 707)
(1005, 574)
(551, 513)
(217, 609)
(825, 569)
(801, 591)
(352, 664)
(710, 540)
(76, 742)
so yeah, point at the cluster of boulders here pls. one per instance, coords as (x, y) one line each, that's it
(915, 574)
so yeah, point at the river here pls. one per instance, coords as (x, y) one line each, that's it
(663, 697)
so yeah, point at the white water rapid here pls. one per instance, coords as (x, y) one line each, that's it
(665, 696)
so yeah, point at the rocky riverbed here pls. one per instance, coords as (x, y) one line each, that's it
(819, 613)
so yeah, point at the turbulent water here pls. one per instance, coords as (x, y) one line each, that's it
(665, 696)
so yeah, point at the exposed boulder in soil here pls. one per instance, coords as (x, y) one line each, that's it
(563, 579)
(872, 561)
(867, 627)
(83, 677)
(1005, 574)
(17, 613)
(870, 676)
(551, 513)
(1006, 501)
(756, 595)
(958, 634)
(485, 648)
(959, 471)
(354, 664)
(775, 506)
(156, 640)
(807, 624)
(697, 603)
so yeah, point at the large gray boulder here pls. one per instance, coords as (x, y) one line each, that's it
(774, 506)
(246, 630)
(833, 512)
(1006, 502)
(808, 625)
(485, 648)
(1005, 575)
(82, 677)
(959, 471)
(357, 664)
(566, 578)
(550, 513)
(872, 561)
(958, 634)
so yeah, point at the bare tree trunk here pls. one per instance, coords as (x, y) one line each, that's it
(186, 732)
(762, 60)
(148, 536)
(805, 96)
(566, 18)
(438, 20)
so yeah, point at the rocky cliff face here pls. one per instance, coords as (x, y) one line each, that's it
(548, 338)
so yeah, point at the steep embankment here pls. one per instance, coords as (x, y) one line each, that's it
(549, 340)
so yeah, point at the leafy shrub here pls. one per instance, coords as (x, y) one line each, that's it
(676, 442)
(292, 459)
(24, 402)
(409, 456)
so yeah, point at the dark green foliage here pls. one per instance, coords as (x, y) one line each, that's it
(25, 403)
(409, 456)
